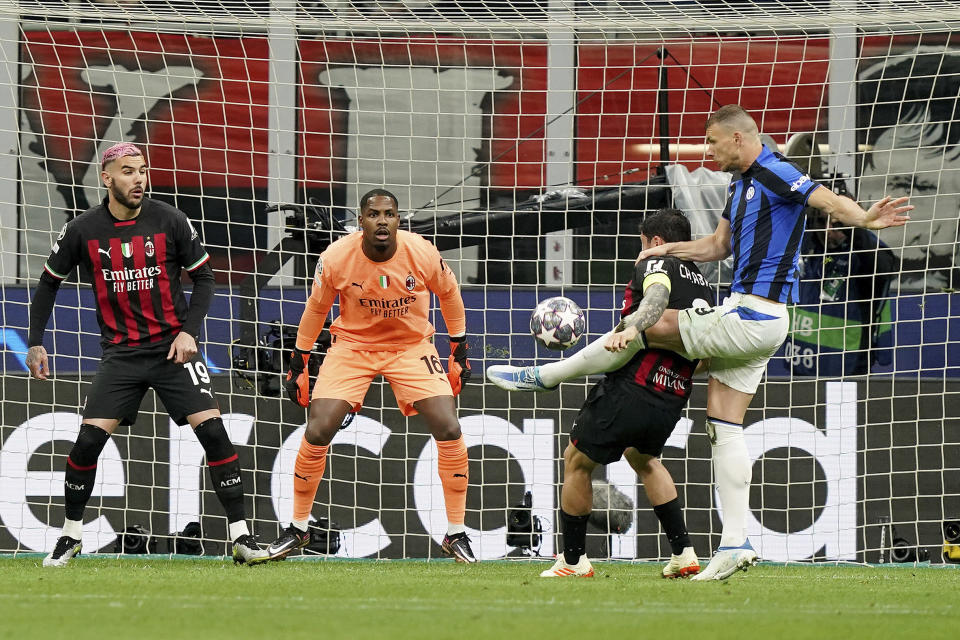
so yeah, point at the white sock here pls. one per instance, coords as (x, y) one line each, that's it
(733, 471)
(453, 529)
(237, 529)
(300, 524)
(593, 358)
(73, 529)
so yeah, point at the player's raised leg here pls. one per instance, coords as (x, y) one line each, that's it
(593, 358)
(576, 502)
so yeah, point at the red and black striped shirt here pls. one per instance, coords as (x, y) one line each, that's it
(664, 374)
(135, 268)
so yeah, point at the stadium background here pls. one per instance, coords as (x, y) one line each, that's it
(208, 150)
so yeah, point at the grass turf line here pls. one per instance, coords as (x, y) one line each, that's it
(179, 598)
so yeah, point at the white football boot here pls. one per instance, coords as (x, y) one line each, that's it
(727, 561)
(65, 549)
(683, 565)
(516, 378)
(560, 569)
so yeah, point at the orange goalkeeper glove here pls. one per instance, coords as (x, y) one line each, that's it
(297, 383)
(458, 366)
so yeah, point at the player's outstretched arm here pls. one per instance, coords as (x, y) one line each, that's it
(706, 249)
(888, 212)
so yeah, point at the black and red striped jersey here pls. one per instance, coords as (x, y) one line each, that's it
(135, 269)
(665, 374)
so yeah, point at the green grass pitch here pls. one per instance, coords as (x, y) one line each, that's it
(158, 597)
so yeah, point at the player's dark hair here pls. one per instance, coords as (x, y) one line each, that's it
(669, 224)
(377, 192)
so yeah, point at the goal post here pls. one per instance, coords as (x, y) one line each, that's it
(527, 140)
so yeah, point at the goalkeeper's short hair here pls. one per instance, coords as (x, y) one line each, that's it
(377, 192)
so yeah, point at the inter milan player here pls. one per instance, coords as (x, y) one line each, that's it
(134, 249)
(634, 409)
(384, 278)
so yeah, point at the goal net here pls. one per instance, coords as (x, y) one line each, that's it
(527, 140)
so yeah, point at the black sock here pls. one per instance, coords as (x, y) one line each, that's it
(224, 467)
(574, 529)
(671, 519)
(82, 469)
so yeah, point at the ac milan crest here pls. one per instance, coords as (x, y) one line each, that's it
(411, 283)
(148, 248)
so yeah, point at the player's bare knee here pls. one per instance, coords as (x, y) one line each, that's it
(320, 430)
(643, 464)
(576, 461)
(445, 431)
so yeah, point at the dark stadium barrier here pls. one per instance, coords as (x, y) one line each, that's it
(831, 458)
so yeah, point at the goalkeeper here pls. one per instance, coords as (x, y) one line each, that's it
(384, 278)
(633, 410)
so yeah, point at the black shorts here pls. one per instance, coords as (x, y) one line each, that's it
(125, 375)
(617, 415)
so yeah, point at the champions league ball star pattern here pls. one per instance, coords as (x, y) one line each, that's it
(557, 323)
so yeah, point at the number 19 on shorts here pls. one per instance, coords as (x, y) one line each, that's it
(198, 372)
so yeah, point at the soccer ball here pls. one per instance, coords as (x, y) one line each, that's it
(557, 323)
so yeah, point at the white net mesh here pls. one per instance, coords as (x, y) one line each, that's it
(526, 139)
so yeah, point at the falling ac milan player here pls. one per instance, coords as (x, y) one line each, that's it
(134, 249)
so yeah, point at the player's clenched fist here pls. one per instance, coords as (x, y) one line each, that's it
(297, 383)
(458, 366)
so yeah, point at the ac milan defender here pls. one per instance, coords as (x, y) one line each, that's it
(134, 249)
(384, 278)
(634, 409)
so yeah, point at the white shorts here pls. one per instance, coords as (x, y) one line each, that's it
(739, 337)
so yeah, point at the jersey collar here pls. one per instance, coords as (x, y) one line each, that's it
(766, 156)
(117, 221)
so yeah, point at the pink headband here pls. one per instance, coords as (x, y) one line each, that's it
(120, 150)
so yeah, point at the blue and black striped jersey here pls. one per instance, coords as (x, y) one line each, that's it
(765, 209)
